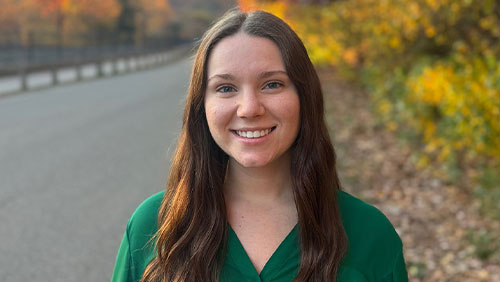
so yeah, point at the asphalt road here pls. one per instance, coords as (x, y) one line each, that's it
(75, 162)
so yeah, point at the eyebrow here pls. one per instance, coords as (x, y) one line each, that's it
(225, 76)
(265, 74)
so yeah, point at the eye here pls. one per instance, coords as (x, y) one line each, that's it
(273, 85)
(225, 89)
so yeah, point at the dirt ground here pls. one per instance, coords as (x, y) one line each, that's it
(433, 218)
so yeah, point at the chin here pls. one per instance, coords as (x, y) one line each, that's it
(252, 163)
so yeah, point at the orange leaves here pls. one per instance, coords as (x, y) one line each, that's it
(70, 11)
(101, 10)
(248, 5)
(48, 7)
(350, 56)
(152, 6)
(279, 8)
(152, 15)
(8, 14)
(75, 22)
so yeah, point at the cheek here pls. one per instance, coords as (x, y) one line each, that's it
(218, 117)
(211, 116)
(292, 111)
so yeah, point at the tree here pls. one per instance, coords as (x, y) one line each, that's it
(151, 17)
(9, 20)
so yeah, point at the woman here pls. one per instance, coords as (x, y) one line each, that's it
(253, 193)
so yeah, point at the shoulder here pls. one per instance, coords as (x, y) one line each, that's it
(137, 248)
(359, 216)
(373, 244)
(143, 223)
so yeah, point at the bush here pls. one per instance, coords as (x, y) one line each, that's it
(432, 67)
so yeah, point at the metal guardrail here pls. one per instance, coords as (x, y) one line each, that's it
(15, 58)
(49, 74)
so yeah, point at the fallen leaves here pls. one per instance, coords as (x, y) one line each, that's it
(438, 222)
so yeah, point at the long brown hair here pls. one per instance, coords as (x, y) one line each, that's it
(192, 218)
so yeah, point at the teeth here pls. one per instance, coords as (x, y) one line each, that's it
(253, 134)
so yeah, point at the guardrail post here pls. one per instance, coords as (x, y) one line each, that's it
(100, 70)
(55, 79)
(114, 66)
(78, 72)
(23, 76)
(128, 66)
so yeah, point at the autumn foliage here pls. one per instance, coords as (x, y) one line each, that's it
(432, 68)
(73, 22)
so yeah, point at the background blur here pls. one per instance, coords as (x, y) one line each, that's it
(41, 32)
(76, 159)
(412, 90)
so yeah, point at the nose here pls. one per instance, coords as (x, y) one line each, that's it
(250, 105)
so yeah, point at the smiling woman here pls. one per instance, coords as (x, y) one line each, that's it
(253, 192)
(249, 93)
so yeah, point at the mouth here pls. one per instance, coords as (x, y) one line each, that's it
(254, 133)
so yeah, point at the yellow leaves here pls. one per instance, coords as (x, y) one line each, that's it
(431, 86)
(444, 153)
(327, 51)
(350, 56)
(429, 130)
(414, 10)
(430, 31)
(469, 108)
(488, 23)
(453, 102)
(395, 42)
(431, 147)
(391, 126)
(422, 162)
(278, 8)
(382, 28)
(455, 7)
(384, 107)
(434, 4)
(465, 111)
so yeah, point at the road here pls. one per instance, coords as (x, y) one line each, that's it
(75, 162)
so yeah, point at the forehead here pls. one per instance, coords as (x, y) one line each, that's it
(244, 54)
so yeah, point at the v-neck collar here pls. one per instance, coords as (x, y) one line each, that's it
(238, 258)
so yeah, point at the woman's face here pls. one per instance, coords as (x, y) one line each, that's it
(252, 107)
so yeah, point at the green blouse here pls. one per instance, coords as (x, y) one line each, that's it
(374, 248)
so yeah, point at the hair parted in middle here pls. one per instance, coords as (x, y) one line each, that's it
(192, 220)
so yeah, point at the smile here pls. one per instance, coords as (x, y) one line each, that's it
(254, 134)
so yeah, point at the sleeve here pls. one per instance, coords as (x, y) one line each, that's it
(399, 272)
(122, 270)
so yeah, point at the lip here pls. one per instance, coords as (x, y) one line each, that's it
(256, 140)
(254, 128)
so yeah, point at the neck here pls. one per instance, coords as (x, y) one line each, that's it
(259, 185)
